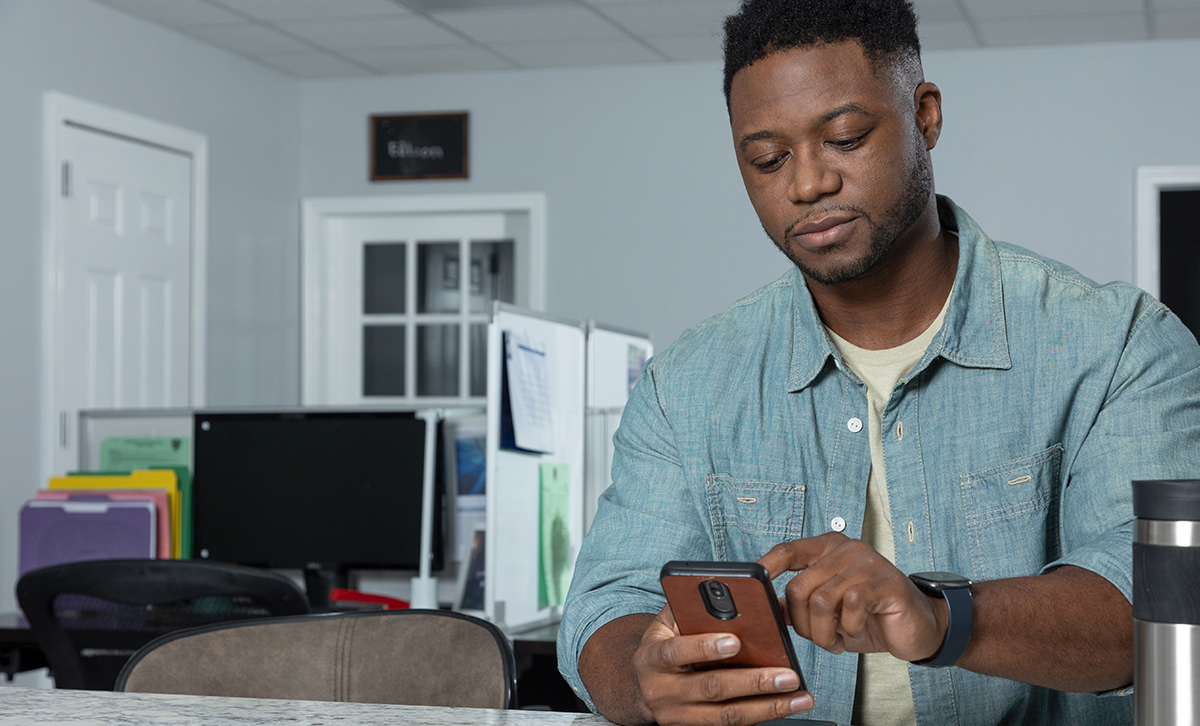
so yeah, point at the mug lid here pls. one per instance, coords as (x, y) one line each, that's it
(1167, 499)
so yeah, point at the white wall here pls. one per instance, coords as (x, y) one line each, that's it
(648, 224)
(1041, 144)
(249, 114)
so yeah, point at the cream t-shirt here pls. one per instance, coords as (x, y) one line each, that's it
(884, 695)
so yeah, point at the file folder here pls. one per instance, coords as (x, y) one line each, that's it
(54, 532)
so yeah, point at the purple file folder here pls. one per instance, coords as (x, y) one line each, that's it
(54, 532)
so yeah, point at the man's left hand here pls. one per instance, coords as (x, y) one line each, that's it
(848, 597)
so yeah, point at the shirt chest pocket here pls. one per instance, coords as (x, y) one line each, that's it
(1012, 518)
(750, 517)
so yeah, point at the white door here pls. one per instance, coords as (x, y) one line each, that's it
(123, 279)
(408, 301)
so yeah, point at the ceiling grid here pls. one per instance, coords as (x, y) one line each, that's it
(347, 38)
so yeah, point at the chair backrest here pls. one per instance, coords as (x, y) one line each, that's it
(412, 657)
(89, 617)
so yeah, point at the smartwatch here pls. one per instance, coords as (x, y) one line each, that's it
(956, 589)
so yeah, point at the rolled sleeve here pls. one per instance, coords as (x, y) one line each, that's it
(647, 517)
(1148, 428)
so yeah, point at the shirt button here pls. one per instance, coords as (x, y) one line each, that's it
(837, 524)
(855, 425)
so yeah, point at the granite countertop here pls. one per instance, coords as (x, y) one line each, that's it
(34, 707)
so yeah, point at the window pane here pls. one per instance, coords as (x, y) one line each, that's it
(438, 277)
(383, 360)
(492, 275)
(383, 277)
(437, 360)
(478, 336)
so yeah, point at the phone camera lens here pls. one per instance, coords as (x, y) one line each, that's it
(718, 600)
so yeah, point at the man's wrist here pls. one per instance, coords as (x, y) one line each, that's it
(606, 669)
(955, 591)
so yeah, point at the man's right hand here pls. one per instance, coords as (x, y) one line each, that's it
(649, 678)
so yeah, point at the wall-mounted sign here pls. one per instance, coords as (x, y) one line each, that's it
(419, 146)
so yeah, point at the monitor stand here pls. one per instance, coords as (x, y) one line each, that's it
(318, 583)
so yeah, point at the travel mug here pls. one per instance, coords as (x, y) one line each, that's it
(1166, 602)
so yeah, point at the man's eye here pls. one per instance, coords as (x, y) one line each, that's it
(847, 144)
(769, 163)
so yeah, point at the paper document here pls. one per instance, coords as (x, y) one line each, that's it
(527, 366)
(554, 534)
(126, 453)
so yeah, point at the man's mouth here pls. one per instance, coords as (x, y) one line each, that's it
(824, 230)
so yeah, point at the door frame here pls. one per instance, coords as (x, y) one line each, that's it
(58, 110)
(1151, 181)
(317, 212)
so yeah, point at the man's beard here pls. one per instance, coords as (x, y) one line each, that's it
(884, 233)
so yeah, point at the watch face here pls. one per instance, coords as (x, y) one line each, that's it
(940, 580)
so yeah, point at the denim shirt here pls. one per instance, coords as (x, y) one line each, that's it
(1009, 449)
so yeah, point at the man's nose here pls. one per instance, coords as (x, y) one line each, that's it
(812, 178)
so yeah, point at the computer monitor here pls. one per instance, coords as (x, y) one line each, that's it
(328, 490)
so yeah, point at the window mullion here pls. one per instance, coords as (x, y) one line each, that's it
(410, 330)
(464, 311)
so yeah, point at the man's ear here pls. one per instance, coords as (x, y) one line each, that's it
(927, 102)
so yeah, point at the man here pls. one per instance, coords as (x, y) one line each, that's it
(912, 397)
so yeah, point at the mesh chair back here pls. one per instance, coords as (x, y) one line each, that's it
(90, 617)
(413, 657)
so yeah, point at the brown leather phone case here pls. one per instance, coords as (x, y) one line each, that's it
(756, 618)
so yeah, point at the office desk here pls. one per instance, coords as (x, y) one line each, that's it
(29, 707)
(19, 652)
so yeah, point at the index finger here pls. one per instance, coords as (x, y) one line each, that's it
(798, 554)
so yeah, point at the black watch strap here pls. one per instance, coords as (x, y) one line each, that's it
(958, 628)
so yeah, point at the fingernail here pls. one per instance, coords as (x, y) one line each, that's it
(801, 703)
(727, 645)
(786, 682)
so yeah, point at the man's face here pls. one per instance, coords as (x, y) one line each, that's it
(831, 156)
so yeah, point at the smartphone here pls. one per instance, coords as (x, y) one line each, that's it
(731, 597)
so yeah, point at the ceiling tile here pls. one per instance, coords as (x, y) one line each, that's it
(947, 36)
(939, 11)
(1174, 4)
(552, 23)
(249, 39)
(1030, 9)
(705, 47)
(314, 64)
(396, 32)
(176, 13)
(678, 17)
(314, 9)
(1176, 24)
(436, 59)
(1081, 29)
(577, 53)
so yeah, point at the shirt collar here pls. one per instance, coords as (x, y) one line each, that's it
(973, 335)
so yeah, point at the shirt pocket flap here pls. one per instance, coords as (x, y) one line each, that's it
(1012, 515)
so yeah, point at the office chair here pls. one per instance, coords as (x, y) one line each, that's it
(89, 617)
(411, 657)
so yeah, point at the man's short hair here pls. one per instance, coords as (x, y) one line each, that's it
(886, 29)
